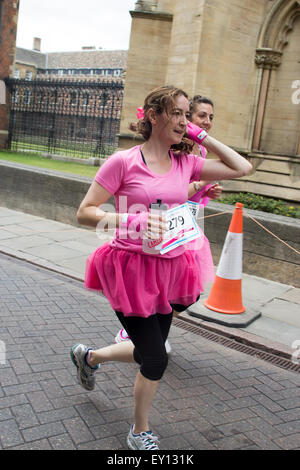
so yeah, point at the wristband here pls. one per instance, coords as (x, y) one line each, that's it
(195, 133)
(136, 222)
(200, 197)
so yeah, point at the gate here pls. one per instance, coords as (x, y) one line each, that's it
(80, 119)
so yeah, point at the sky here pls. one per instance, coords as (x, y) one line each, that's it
(68, 25)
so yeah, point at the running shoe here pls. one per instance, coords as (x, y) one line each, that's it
(142, 441)
(168, 347)
(122, 336)
(85, 373)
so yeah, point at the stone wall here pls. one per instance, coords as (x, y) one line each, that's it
(263, 255)
(44, 193)
(56, 196)
(281, 127)
(246, 59)
(227, 72)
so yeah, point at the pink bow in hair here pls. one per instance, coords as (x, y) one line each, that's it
(140, 113)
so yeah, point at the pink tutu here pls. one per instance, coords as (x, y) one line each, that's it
(142, 285)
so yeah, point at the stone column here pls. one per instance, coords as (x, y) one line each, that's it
(8, 30)
(146, 63)
(145, 5)
(266, 59)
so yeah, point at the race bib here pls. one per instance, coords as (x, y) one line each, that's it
(181, 228)
(194, 208)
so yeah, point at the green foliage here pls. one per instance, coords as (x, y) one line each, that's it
(262, 203)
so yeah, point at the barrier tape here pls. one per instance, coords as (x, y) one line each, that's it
(258, 223)
(273, 234)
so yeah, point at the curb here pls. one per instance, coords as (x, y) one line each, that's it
(255, 341)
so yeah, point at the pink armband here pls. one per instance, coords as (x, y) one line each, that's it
(201, 197)
(195, 133)
(136, 222)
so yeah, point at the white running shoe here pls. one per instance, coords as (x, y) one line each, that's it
(122, 336)
(142, 441)
(168, 347)
(85, 373)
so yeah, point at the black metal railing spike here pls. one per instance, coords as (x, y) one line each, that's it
(74, 118)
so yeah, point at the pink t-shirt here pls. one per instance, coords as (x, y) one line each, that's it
(135, 187)
(199, 196)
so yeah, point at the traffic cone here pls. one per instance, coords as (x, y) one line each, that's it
(226, 293)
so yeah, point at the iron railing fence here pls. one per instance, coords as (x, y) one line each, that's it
(80, 119)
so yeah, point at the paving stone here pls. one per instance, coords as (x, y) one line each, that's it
(235, 428)
(289, 415)
(110, 429)
(266, 428)
(10, 434)
(56, 415)
(25, 416)
(238, 441)
(174, 442)
(44, 430)
(109, 443)
(40, 444)
(288, 428)
(23, 387)
(290, 442)
(289, 403)
(39, 401)
(197, 441)
(261, 440)
(5, 414)
(62, 442)
(90, 416)
(78, 430)
(267, 415)
(7, 402)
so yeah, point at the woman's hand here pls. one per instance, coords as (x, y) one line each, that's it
(145, 224)
(156, 226)
(214, 191)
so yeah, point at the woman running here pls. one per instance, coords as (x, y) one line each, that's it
(201, 113)
(143, 288)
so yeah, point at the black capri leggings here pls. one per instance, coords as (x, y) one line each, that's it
(149, 336)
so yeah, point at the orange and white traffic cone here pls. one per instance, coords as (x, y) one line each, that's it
(226, 293)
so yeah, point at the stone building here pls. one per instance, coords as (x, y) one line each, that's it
(82, 65)
(245, 55)
(8, 29)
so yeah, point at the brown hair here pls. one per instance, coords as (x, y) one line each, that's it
(161, 99)
(198, 99)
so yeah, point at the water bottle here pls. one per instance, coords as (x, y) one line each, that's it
(150, 244)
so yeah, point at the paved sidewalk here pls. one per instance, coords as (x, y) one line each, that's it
(211, 397)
